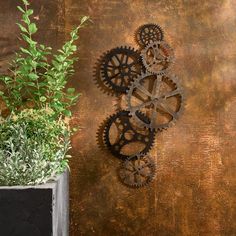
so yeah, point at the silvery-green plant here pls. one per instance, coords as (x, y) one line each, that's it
(33, 147)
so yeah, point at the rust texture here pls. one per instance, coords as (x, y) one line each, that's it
(194, 191)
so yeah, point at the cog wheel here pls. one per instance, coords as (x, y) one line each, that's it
(159, 97)
(124, 138)
(137, 171)
(148, 33)
(119, 67)
(158, 57)
(98, 78)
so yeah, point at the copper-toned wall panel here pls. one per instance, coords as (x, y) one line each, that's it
(194, 191)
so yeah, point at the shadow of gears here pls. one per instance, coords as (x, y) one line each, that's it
(137, 171)
(124, 138)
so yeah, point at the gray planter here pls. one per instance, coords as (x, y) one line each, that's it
(41, 210)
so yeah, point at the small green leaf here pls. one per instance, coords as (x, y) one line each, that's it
(32, 28)
(26, 2)
(25, 51)
(29, 12)
(26, 19)
(22, 28)
(67, 113)
(73, 48)
(84, 19)
(43, 99)
(20, 9)
(70, 90)
(27, 39)
(33, 76)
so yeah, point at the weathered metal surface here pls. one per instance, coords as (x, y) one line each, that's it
(194, 191)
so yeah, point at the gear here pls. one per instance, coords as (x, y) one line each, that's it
(157, 57)
(97, 75)
(119, 67)
(124, 138)
(137, 171)
(148, 33)
(159, 97)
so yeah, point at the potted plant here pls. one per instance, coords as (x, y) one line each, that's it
(35, 135)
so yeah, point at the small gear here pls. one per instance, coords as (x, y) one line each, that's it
(119, 67)
(159, 97)
(124, 138)
(137, 171)
(157, 57)
(148, 33)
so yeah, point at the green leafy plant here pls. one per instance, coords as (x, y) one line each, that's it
(35, 137)
(35, 81)
(33, 147)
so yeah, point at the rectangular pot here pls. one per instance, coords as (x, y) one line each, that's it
(41, 210)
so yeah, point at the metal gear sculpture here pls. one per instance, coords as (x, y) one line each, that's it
(148, 33)
(120, 133)
(157, 57)
(119, 67)
(137, 171)
(153, 102)
(159, 97)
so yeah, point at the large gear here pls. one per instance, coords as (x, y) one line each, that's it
(159, 97)
(148, 33)
(124, 138)
(137, 171)
(98, 79)
(157, 57)
(120, 66)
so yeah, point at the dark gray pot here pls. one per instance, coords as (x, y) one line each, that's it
(41, 210)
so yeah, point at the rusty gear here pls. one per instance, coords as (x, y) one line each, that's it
(98, 79)
(159, 97)
(158, 57)
(148, 33)
(121, 133)
(137, 171)
(119, 67)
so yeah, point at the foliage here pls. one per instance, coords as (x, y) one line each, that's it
(33, 147)
(35, 81)
(35, 138)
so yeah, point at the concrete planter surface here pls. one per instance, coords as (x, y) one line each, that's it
(41, 210)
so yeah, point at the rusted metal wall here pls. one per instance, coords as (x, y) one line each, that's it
(194, 191)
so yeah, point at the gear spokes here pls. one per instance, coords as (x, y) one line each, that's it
(158, 97)
(123, 138)
(137, 171)
(157, 57)
(148, 33)
(119, 67)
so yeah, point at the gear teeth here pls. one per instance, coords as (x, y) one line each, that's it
(137, 37)
(167, 47)
(125, 122)
(132, 182)
(97, 77)
(167, 77)
(100, 135)
(105, 77)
